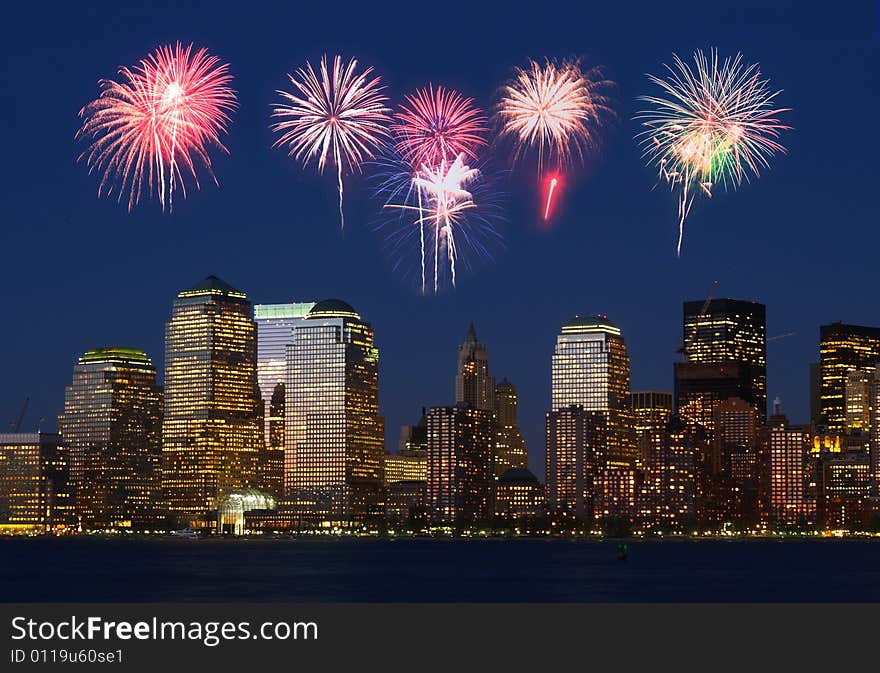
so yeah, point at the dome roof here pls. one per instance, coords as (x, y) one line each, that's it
(518, 475)
(332, 308)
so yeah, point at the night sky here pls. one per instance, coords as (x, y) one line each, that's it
(78, 272)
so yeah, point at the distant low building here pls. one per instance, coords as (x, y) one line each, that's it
(519, 496)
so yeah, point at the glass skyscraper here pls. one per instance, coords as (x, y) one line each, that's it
(275, 323)
(334, 435)
(843, 348)
(111, 425)
(591, 370)
(213, 428)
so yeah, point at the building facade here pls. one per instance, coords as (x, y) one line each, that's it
(591, 369)
(576, 442)
(843, 348)
(510, 449)
(212, 433)
(334, 436)
(111, 425)
(461, 470)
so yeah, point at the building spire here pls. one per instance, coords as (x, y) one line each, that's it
(472, 332)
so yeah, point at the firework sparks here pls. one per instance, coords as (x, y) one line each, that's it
(153, 127)
(550, 190)
(448, 208)
(337, 115)
(556, 108)
(714, 123)
(433, 126)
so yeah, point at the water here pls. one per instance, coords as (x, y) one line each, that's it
(441, 570)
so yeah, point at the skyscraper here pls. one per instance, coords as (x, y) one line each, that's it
(857, 402)
(334, 437)
(789, 448)
(651, 411)
(591, 370)
(670, 486)
(510, 448)
(275, 323)
(473, 385)
(843, 348)
(461, 474)
(212, 434)
(111, 424)
(576, 444)
(725, 355)
(34, 483)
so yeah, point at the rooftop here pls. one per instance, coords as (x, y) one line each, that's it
(212, 285)
(332, 308)
(115, 354)
(589, 323)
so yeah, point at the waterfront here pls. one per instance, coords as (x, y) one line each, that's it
(93, 569)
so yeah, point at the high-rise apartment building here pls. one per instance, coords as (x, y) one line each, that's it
(843, 348)
(789, 448)
(212, 434)
(576, 445)
(725, 355)
(334, 436)
(111, 425)
(461, 471)
(591, 370)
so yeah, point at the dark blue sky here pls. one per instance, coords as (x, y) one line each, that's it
(78, 272)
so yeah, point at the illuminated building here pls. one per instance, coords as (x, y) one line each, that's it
(111, 425)
(843, 348)
(725, 355)
(875, 430)
(405, 468)
(669, 491)
(519, 496)
(734, 462)
(843, 486)
(651, 411)
(473, 385)
(857, 402)
(233, 507)
(405, 503)
(406, 475)
(461, 471)
(212, 434)
(334, 436)
(591, 370)
(789, 448)
(35, 494)
(510, 448)
(273, 462)
(275, 323)
(576, 443)
(616, 500)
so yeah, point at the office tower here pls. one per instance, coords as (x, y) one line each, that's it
(591, 370)
(35, 494)
(519, 496)
(275, 323)
(510, 447)
(273, 463)
(111, 425)
(857, 402)
(735, 461)
(212, 434)
(669, 492)
(576, 445)
(724, 348)
(473, 385)
(334, 436)
(405, 468)
(841, 349)
(843, 490)
(789, 448)
(651, 410)
(461, 471)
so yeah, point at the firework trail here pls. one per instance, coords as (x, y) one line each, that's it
(550, 190)
(713, 122)
(158, 122)
(336, 114)
(556, 108)
(436, 125)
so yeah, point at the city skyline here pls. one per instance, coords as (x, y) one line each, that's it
(786, 240)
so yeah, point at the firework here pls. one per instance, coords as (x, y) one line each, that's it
(555, 108)
(550, 191)
(433, 126)
(155, 125)
(337, 114)
(715, 122)
(446, 211)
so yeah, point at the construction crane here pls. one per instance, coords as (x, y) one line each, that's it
(703, 311)
(16, 425)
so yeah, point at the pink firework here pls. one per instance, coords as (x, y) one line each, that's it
(158, 123)
(437, 125)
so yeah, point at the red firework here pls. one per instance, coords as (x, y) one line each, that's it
(157, 124)
(436, 125)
